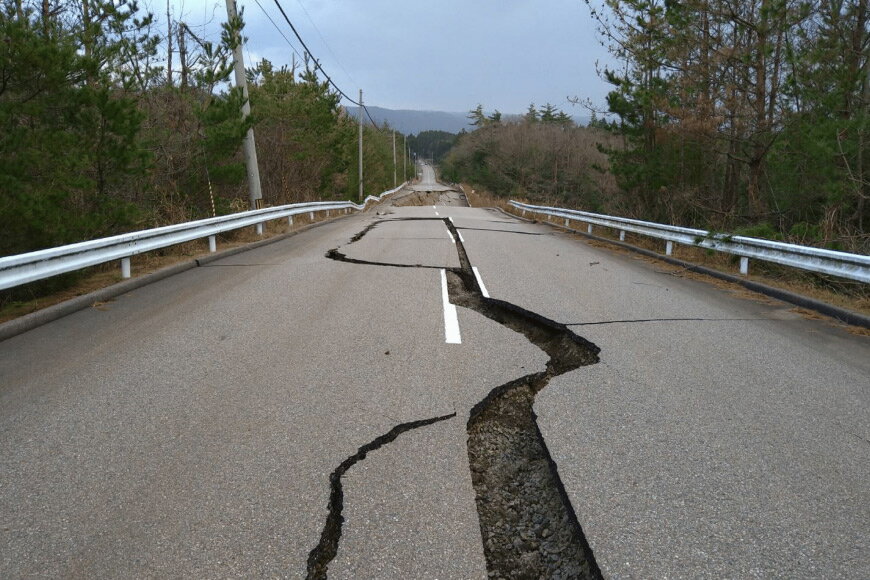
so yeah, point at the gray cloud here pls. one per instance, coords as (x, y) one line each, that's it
(437, 55)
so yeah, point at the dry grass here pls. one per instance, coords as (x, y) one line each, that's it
(108, 274)
(482, 198)
(858, 331)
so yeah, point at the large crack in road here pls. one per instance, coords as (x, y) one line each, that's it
(529, 528)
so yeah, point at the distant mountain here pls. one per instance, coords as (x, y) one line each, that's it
(413, 122)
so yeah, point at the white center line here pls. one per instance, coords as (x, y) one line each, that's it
(438, 214)
(449, 233)
(480, 282)
(451, 320)
(461, 239)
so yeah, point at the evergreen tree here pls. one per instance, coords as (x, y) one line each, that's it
(477, 116)
(531, 115)
(69, 122)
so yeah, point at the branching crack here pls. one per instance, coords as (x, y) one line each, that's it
(529, 528)
(664, 320)
(334, 254)
(528, 525)
(320, 557)
(508, 231)
(366, 230)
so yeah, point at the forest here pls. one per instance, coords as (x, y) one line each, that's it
(433, 145)
(542, 156)
(99, 136)
(748, 116)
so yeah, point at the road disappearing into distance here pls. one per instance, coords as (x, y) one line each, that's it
(430, 390)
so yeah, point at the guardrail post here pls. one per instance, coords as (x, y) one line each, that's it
(621, 235)
(524, 213)
(260, 229)
(212, 244)
(669, 248)
(566, 222)
(289, 220)
(311, 214)
(125, 267)
(589, 228)
(327, 213)
(744, 265)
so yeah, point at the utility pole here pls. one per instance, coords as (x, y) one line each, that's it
(404, 158)
(360, 198)
(250, 148)
(169, 46)
(395, 167)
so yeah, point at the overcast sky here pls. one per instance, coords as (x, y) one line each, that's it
(445, 55)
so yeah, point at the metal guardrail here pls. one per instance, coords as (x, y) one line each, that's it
(843, 264)
(32, 266)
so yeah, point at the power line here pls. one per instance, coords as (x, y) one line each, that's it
(326, 44)
(308, 50)
(281, 32)
(318, 65)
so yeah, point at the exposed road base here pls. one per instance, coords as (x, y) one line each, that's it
(528, 525)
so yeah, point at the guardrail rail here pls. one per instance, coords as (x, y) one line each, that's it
(31, 266)
(842, 264)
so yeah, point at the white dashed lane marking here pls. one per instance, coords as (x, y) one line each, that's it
(451, 319)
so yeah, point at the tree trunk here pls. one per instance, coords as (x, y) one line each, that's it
(182, 54)
(46, 17)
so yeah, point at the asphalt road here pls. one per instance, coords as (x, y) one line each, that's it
(189, 428)
(427, 181)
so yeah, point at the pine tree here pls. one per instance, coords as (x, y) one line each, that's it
(531, 115)
(477, 116)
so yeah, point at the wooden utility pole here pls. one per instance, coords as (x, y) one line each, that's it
(360, 197)
(169, 45)
(395, 166)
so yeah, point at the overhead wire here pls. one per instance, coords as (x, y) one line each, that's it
(326, 44)
(281, 32)
(319, 66)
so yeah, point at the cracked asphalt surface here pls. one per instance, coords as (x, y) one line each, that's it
(188, 428)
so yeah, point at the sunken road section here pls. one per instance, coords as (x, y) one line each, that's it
(527, 523)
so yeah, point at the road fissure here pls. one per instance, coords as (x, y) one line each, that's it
(528, 525)
(320, 557)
